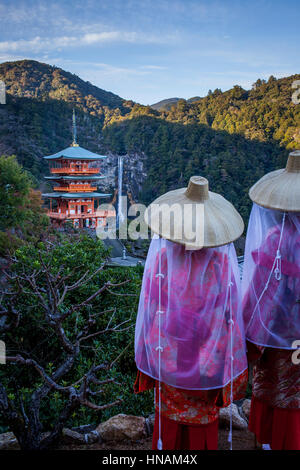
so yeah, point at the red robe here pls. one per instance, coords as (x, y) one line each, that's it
(196, 353)
(190, 417)
(275, 404)
(275, 407)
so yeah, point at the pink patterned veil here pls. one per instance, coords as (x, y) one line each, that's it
(189, 329)
(271, 278)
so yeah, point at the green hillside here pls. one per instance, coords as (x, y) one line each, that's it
(32, 79)
(230, 137)
(165, 105)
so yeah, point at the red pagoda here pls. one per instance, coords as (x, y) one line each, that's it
(75, 173)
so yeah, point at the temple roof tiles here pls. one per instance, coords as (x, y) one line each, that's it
(75, 153)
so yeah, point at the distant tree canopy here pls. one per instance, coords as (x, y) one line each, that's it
(231, 137)
(175, 152)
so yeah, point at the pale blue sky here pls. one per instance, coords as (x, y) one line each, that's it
(148, 50)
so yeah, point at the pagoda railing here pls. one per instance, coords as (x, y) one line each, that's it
(75, 188)
(74, 171)
(64, 216)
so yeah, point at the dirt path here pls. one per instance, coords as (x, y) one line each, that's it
(242, 440)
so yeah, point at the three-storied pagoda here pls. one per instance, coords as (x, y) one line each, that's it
(75, 173)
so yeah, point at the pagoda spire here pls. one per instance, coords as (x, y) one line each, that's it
(74, 130)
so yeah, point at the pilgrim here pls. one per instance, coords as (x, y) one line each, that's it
(189, 336)
(271, 306)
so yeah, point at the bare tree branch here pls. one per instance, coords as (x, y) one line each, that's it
(49, 292)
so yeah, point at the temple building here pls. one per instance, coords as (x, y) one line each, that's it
(75, 173)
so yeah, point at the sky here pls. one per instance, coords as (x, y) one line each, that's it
(149, 50)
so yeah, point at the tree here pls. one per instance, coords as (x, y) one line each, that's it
(15, 185)
(58, 319)
(22, 216)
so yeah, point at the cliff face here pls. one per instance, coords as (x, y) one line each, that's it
(134, 174)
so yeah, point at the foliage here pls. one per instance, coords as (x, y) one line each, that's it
(14, 190)
(32, 79)
(231, 163)
(112, 313)
(232, 138)
(36, 120)
(21, 214)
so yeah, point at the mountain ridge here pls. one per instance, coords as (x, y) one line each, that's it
(47, 80)
(167, 103)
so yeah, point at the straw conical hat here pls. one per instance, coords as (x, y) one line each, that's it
(201, 218)
(280, 189)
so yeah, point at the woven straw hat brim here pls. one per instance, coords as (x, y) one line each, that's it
(279, 190)
(219, 223)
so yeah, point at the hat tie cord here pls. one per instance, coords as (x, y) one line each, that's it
(277, 271)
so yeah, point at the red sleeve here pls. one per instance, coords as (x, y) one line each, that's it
(254, 352)
(143, 383)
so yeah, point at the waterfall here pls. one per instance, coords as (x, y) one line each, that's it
(121, 216)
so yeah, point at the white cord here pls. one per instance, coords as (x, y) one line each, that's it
(231, 322)
(159, 347)
(277, 272)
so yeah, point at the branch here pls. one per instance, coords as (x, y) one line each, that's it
(11, 313)
(99, 291)
(125, 295)
(118, 357)
(83, 280)
(32, 363)
(91, 405)
(115, 328)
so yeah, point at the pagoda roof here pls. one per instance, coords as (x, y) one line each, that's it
(87, 177)
(75, 153)
(85, 195)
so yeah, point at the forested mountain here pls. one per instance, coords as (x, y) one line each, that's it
(165, 105)
(32, 79)
(36, 120)
(230, 137)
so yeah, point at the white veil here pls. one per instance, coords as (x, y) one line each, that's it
(271, 278)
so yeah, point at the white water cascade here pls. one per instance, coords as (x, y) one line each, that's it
(121, 215)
